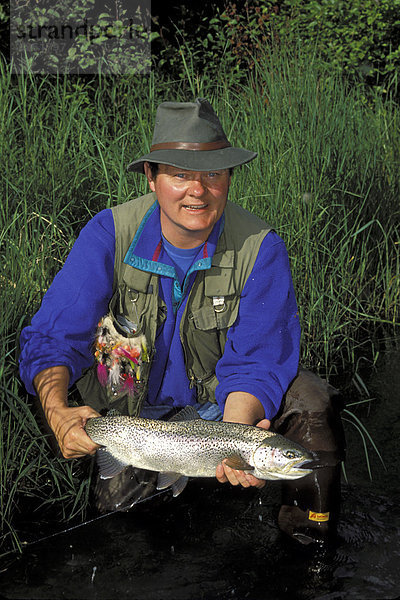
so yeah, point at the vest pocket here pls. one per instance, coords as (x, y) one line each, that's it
(205, 332)
(206, 317)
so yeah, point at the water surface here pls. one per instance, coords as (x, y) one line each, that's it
(219, 542)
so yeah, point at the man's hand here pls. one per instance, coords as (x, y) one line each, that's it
(67, 423)
(242, 407)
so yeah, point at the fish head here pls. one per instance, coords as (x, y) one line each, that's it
(279, 458)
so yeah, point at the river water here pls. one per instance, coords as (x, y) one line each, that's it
(219, 542)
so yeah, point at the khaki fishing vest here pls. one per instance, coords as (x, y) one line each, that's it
(211, 309)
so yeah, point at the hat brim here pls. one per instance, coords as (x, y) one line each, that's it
(196, 160)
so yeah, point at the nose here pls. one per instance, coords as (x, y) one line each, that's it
(197, 187)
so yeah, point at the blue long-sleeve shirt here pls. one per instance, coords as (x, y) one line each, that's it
(262, 349)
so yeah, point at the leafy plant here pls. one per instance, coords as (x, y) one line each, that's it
(360, 38)
(71, 37)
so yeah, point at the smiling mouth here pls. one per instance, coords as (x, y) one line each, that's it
(195, 207)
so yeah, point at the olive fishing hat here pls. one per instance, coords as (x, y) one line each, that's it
(189, 135)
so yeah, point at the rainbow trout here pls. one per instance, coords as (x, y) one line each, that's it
(188, 446)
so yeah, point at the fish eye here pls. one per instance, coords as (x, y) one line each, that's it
(290, 454)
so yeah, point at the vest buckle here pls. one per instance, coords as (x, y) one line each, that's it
(219, 303)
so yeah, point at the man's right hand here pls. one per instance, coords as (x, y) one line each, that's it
(67, 423)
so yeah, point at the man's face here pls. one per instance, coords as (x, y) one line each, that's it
(191, 202)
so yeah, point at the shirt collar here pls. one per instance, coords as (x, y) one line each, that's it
(145, 250)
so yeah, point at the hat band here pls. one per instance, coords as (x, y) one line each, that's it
(218, 145)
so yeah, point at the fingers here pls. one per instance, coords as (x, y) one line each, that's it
(264, 424)
(75, 443)
(68, 427)
(220, 474)
(226, 474)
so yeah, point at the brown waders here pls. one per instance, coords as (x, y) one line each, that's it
(310, 415)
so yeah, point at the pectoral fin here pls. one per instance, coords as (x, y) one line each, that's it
(237, 462)
(109, 466)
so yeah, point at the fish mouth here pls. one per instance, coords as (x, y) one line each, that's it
(288, 475)
(298, 473)
(295, 469)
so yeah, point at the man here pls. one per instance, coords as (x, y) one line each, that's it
(193, 302)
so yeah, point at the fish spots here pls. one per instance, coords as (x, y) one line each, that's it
(195, 447)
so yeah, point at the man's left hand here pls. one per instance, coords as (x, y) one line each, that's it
(226, 474)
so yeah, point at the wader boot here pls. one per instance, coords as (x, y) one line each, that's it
(310, 415)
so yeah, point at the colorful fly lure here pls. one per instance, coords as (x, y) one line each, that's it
(118, 358)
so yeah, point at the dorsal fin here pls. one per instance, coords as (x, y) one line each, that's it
(189, 413)
(113, 412)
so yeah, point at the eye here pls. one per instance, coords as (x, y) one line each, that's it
(290, 454)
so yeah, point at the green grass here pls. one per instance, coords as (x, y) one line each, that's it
(327, 178)
(26, 461)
